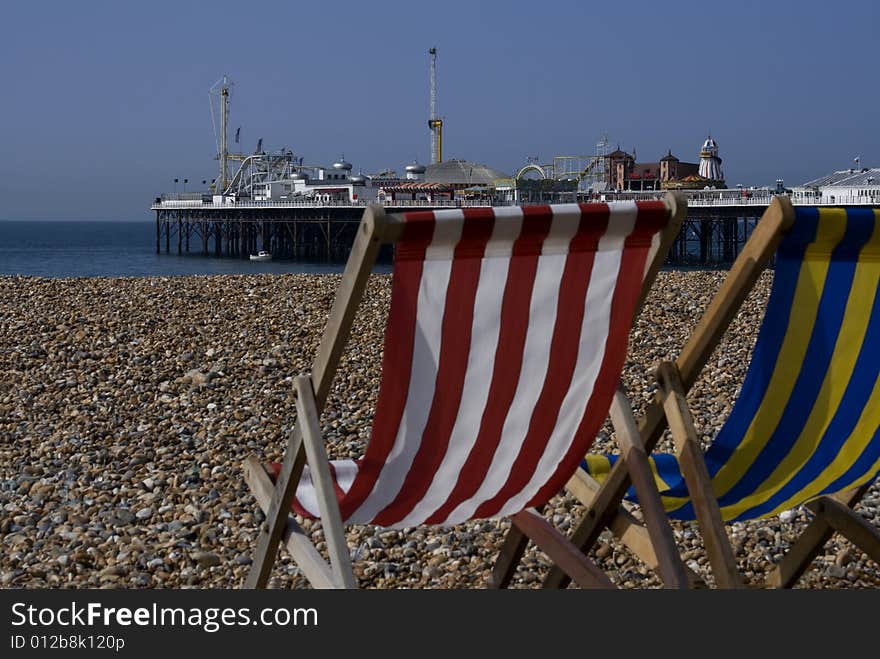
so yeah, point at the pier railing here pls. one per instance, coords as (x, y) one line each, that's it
(701, 200)
(282, 203)
(797, 200)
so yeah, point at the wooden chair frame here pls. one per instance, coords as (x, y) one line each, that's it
(832, 513)
(306, 445)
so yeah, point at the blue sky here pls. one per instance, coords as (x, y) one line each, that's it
(104, 103)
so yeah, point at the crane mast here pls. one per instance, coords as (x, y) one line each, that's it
(224, 135)
(221, 88)
(434, 123)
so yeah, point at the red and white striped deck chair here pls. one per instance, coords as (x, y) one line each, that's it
(505, 340)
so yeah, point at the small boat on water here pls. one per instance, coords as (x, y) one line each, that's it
(261, 256)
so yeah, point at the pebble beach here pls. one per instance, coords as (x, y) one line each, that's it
(127, 406)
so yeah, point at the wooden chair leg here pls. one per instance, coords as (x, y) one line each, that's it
(509, 556)
(672, 569)
(331, 519)
(808, 545)
(339, 573)
(277, 511)
(850, 525)
(511, 553)
(696, 475)
(654, 542)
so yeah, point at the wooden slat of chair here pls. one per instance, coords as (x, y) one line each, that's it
(373, 230)
(669, 563)
(560, 550)
(812, 540)
(606, 503)
(696, 475)
(276, 511)
(740, 281)
(749, 265)
(850, 525)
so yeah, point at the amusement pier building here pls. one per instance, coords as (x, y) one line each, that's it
(669, 173)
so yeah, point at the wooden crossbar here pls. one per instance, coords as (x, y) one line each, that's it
(849, 524)
(564, 554)
(810, 542)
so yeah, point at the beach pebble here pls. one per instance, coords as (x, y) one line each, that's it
(844, 557)
(123, 516)
(206, 559)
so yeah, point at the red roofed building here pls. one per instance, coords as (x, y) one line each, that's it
(626, 174)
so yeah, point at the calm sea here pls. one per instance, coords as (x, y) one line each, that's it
(118, 249)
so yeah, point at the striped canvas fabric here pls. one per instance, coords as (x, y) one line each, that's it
(807, 421)
(505, 340)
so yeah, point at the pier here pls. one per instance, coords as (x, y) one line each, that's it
(243, 229)
(717, 226)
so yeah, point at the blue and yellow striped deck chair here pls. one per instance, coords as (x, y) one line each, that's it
(806, 425)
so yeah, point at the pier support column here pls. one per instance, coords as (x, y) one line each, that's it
(705, 238)
(158, 234)
(729, 240)
(179, 236)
